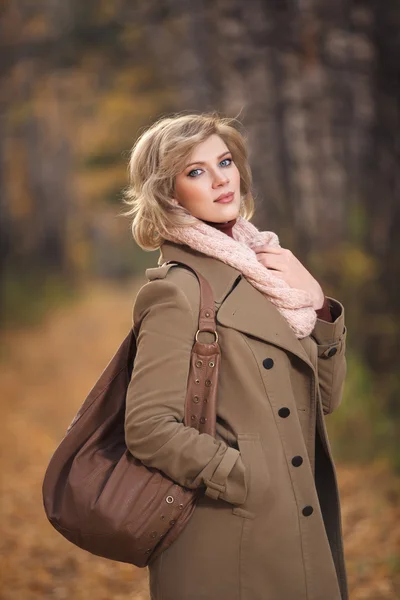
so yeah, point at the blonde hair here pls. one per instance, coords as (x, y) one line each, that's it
(158, 155)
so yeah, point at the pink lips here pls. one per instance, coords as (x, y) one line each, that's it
(225, 199)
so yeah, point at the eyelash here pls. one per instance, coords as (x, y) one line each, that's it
(223, 160)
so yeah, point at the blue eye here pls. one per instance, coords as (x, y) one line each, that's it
(193, 172)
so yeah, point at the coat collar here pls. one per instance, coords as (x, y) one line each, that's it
(245, 309)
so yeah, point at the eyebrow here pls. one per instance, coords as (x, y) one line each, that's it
(200, 162)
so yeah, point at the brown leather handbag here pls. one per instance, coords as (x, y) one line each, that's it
(95, 493)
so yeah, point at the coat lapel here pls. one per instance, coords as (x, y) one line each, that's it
(249, 311)
(245, 309)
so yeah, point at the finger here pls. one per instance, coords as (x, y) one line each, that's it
(271, 262)
(266, 248)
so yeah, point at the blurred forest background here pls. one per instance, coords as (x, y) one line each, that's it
(316, 84)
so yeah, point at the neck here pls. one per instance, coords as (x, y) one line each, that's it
(226, 227)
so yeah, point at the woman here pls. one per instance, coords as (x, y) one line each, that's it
(268, 525)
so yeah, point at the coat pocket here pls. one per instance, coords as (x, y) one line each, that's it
(257, 475)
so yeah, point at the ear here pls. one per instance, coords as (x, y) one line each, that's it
(174, 201)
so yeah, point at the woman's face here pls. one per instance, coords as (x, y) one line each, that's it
(209, 173)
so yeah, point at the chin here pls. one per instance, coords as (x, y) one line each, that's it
(222, 215)
(227, 215)
(222, 218)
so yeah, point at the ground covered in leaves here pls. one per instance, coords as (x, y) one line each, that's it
(45, 373)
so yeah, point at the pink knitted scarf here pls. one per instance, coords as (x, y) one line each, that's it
(294, 304)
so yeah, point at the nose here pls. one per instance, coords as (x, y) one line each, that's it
(220, 178)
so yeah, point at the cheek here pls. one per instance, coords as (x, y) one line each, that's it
(236, 176)
(190, 190)
(198, 192)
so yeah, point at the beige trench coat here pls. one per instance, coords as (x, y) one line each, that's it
(268, 526)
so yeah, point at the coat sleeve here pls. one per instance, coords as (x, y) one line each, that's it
(154, 428)
(331, 346)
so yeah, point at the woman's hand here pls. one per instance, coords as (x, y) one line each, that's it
(290, 269)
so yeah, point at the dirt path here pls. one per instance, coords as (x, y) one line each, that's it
(45, 373)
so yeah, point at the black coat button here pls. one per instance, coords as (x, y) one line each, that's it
(284, 412)
(332, 352)
(297, 461)
(268, 363)
(307, 511)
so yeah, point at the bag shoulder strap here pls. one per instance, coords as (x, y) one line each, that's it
(207, 321)
(201, 395)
